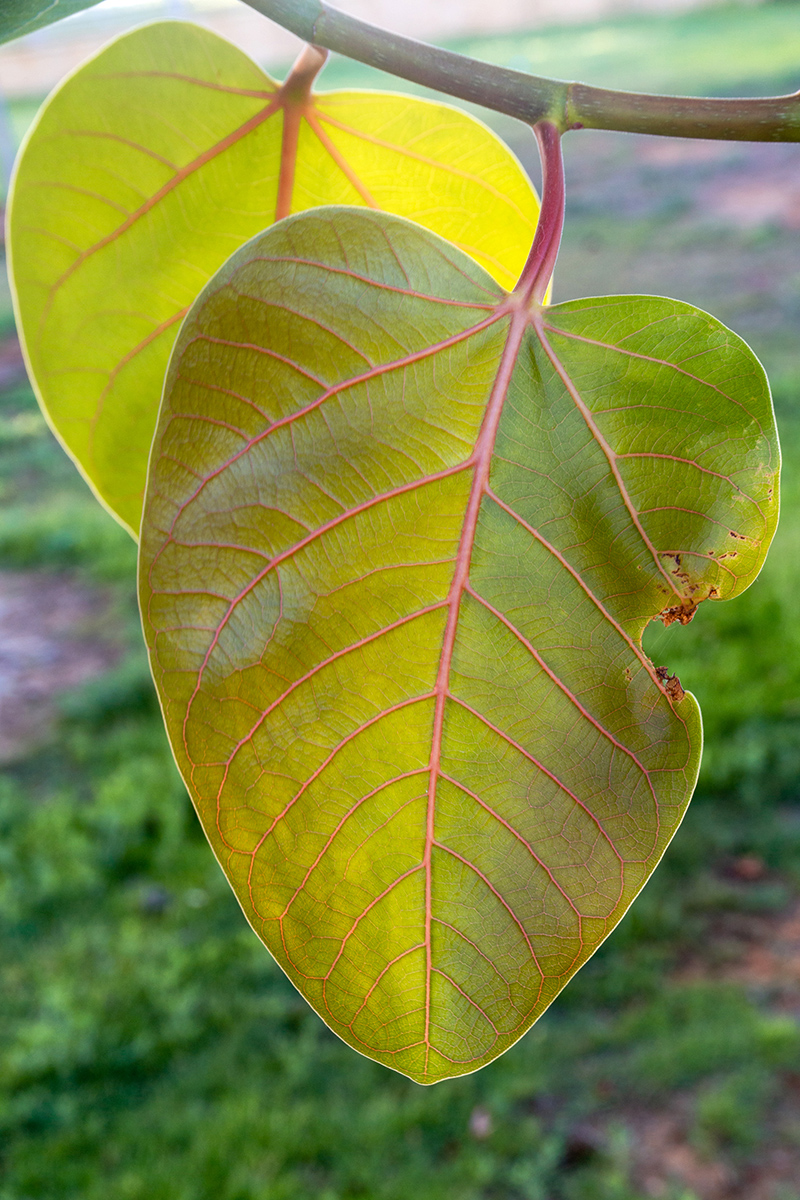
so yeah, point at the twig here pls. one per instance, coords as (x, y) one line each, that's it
(534, 98)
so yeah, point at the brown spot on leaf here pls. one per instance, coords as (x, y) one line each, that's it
(684, 611)
(679, 612)
(672, 685)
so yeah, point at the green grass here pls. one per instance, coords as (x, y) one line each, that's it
(150, 1048)
(48, 516)
(717, 50)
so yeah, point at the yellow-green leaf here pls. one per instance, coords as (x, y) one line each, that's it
(160, 156)
(402, 536)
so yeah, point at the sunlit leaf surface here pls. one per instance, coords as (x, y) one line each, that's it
(18, 17)
(402, 536)
(159, 157)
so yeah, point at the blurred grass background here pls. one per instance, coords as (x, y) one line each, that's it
(149, 1047)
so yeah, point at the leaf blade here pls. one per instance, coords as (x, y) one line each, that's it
(388, 140)
(395, 624)
(168, 148)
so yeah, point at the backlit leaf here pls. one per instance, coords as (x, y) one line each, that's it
(402, 536)
(18, 17)
(159, 157)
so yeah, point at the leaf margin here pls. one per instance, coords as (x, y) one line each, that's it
(696, 756)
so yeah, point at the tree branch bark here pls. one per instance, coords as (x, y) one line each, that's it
(534, 98)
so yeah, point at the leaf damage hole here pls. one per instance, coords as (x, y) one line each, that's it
(672, 685)
(684, 612)
(678, 612)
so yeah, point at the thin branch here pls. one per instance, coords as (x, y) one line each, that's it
(534, 98)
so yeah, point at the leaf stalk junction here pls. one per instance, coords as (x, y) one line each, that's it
(295, 93)
(538, 270)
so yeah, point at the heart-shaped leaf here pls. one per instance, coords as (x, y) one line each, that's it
(159, 157)
(19, 17)
(402, 536)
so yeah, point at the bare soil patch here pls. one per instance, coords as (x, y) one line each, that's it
(51, 639)
(665, 1157)
(12, 367)
(743, 185)
(760, 952)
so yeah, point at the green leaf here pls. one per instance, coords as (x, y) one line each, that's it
(159, 157)
(23, 16)
(402, 536)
